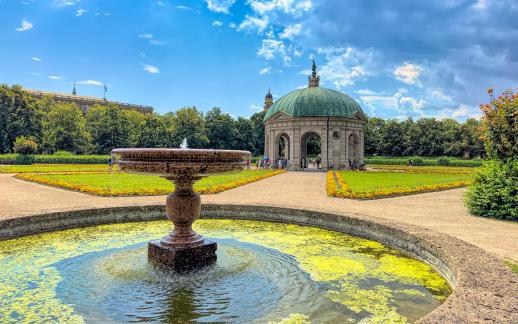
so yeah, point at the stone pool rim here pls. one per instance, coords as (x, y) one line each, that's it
(484, 289)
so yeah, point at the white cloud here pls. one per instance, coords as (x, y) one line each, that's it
(64, 3)
(151, 39)
(91, 82)
(411, 104)
(80, 12)
(293, 7)
(270, 48)
(142, 54)
(57, 77)
(265, 70)
(253, 23)
(221, 6)
(160, 3)
(182, 7)
(344, 66)
(36, 74)
(408, 73)
(157, 42)
(151, 69)
(25, 25)
(217, 23)
(290, 31)
(256, 108)
(37, 59)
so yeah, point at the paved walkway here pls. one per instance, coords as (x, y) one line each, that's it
(442, 211)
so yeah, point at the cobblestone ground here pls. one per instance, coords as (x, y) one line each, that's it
(442, 211)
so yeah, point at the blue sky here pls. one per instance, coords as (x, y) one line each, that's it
(397, 58)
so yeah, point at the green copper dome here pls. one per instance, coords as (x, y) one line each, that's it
(315, 101)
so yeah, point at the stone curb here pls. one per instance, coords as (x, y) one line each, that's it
(485, 290)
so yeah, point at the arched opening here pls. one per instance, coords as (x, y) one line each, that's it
(311, 151)
(353, 143)
(283, 151)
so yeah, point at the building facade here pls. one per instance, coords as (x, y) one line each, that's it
(315, 127)
(84, 102)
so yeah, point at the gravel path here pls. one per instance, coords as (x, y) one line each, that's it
(441, 211)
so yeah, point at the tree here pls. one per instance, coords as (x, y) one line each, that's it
(110, 128)
(471, 133)
(154, 132)
(494, 191)
(257, 120)
(244, 135)
(220, 129)
(392, 138)
(500, 125)
(18, 117)
(189, 124)
(64, 128)
(373, 132)
(452, 143)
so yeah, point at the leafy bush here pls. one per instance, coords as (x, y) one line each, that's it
(494, 192)
(443, 161)
(25, 145)
(63, 153)
(416, 161)
(25, 159)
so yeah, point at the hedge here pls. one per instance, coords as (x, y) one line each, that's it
(59, 159)
(385, 160)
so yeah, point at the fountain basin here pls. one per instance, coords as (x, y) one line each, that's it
(484, 288)
(171, 163)
(183, 249)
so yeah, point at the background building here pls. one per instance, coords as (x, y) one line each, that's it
(315, 124)
(85, 102)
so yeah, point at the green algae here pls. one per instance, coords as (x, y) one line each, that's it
(365, 276)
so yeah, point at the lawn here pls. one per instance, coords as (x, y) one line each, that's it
(422, 169)
(367, 185)
(124, 184)
(55, 168)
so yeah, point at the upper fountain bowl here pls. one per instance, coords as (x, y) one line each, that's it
(170, 163)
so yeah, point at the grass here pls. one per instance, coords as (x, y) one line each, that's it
(512, 265)
(423, 169)
(55, 168)
(124, 184)
(395, 181)
(374, 181)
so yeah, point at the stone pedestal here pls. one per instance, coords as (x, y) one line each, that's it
(182, 259)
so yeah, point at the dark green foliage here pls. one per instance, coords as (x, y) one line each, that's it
(220, 129)
(426, 137)
(25, 159)
(416, 161)
(384, 160)
(443, 161)
(494, 192)
(25, 145)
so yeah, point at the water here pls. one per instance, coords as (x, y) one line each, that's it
(265, 272)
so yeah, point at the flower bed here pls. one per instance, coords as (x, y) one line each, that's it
(336, 186)
(122, 184)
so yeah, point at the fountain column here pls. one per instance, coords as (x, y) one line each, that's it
(183, 249)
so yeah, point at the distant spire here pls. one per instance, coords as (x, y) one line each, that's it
(314, 79)
(268, 100)
(74, 90)
(105, 90)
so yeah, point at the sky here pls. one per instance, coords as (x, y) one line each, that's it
(398, 59)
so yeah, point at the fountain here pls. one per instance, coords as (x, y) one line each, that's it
(183, 249)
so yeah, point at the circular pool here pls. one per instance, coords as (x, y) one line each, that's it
(266, 272)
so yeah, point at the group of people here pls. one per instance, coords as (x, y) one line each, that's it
(311, 163)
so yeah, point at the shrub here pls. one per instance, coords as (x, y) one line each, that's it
(63, 153)
(416, 161)
(494, 192)
(25, 145)
(443, 161)
(25, 159)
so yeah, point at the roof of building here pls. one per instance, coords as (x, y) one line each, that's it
(315, 101)
(87, 99)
